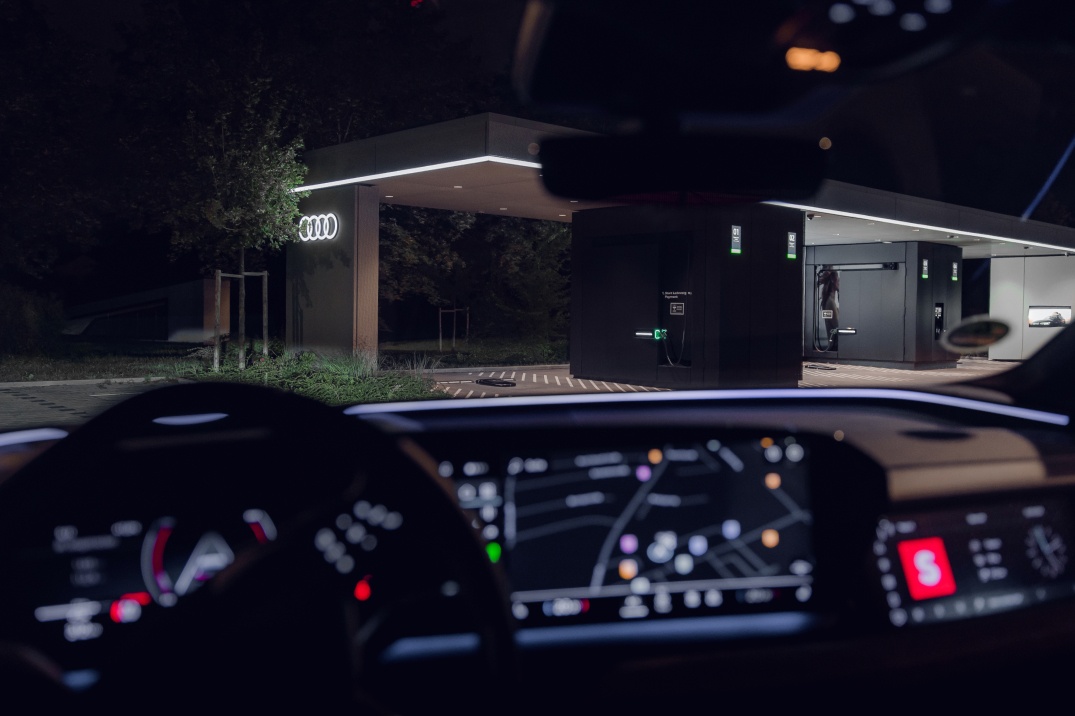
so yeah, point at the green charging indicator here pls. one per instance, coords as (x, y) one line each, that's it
(494, 550)
(660, 334)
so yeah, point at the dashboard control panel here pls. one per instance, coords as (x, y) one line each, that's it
(948, 564)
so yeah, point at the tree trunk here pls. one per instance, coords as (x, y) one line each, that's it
(242, 309)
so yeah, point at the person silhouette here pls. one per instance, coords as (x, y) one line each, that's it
(829, 281)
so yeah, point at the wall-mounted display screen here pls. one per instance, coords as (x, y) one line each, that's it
(1048, 316)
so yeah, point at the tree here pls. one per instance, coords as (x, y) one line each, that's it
(518, 277)
(418, 257)
(209, 132)
(512, 273)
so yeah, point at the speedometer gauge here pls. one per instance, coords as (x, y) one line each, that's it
(177, 557)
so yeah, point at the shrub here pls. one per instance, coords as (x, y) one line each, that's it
(30, 323)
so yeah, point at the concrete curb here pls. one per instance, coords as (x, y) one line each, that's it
(90, 381)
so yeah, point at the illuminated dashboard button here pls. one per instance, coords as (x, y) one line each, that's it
(925, 563)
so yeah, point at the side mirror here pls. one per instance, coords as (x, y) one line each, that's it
(974, 334)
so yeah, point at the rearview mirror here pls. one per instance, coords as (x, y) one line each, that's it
(682, 169)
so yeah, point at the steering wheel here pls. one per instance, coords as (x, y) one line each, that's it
(375, 577)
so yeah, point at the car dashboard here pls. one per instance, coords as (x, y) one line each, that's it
(642, 550)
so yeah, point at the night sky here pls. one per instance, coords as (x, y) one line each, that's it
(983, 129)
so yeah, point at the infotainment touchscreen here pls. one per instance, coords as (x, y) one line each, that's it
(621, 532)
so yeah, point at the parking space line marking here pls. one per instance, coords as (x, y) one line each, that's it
(482, 395)
(534, 377)
(558, 380)
(457, 392)
(470, 393)
(620, 387)
(570, 383)
(523, 378)
(513, 375)
(633, 390)
(606, 386)
(546, 379)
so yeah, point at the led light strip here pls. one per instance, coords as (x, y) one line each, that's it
(913, 225)
(418, 170)
(22, 437)
(951, 401)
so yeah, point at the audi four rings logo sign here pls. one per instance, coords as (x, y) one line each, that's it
(318, 226)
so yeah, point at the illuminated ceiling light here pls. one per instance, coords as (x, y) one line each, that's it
(916, 227)
(457, 187)
(389, 196)
(417, 170)
(841, 13)
(563, 214)
(825, 143)
(503, 208)
(804, 59)
(574, 201)
(937, 7)
(912, 22)
(882, 8)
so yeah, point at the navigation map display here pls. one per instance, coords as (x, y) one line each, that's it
(618, 533)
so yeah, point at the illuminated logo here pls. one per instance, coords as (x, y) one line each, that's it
(318, 226)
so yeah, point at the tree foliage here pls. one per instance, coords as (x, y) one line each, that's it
(212, 134)
(50, 173)
(418, 256)
(513, 274)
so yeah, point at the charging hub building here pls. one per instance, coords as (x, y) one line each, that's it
(683, 297)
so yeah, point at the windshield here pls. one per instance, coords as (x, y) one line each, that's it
(346, 200)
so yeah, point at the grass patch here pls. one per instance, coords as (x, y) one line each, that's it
(476, 353)
(336, 380)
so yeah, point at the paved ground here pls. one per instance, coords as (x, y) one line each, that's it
(61, 403)
(73, 402)
(531, 380)
(545, 380)
(856, 376)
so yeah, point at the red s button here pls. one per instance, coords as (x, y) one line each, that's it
(925, 562)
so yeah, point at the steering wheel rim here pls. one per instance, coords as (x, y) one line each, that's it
(196, 643)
